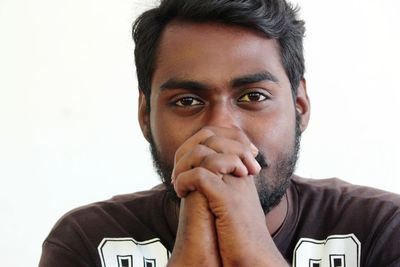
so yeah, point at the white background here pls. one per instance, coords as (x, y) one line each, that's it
(68, 129)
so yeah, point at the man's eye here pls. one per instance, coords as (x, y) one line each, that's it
(253, 97)
(188, 102)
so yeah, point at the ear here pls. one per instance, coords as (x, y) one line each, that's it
(303, 105)
(143, 116)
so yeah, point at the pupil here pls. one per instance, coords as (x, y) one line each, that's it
(254, 96)
(187, 101)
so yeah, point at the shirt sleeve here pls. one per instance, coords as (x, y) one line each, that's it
(385, 250)
(68, 243)
(54, 255)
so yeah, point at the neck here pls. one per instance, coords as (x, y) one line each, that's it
(277, 215)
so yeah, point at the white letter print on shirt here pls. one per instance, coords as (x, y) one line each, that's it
(334, 251)
(127, 252)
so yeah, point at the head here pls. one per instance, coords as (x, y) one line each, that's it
(204, 46)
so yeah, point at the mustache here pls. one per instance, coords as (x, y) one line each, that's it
(262, 160)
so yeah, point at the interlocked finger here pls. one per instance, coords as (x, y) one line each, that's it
(191, 159)
(224, 145)
(221, 164)
(234, 134)
(197, 179)
(194, 140)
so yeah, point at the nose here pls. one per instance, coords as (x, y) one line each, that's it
(223, 115)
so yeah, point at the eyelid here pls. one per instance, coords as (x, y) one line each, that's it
(175, 100)
(262, 92)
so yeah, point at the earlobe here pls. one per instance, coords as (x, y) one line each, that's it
(303, 105)
(143, 116)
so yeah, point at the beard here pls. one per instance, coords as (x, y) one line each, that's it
(270, 188)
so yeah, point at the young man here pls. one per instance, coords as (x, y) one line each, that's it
(223, 103)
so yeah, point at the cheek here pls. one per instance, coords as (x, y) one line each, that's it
(169, 133)
(276, 134)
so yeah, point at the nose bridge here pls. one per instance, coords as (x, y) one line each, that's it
(222, 114)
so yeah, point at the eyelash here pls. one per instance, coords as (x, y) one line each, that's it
(198, 102)
(248, 94)
(179, 101)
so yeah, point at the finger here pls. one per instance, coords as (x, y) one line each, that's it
(225, 145)
(191, 159)
(197, 138)
(234, 134)
(217, 189)
(196, 179)
(224, 164)
(246, 183)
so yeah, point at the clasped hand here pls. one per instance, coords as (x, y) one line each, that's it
(221, 222)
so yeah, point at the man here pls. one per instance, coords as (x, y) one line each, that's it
(223, 103)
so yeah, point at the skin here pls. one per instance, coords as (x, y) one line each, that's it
(209, 124)
(195, 214)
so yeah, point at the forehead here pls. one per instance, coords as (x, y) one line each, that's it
(214, 52)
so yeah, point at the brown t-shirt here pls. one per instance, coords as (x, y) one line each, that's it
(329, 223)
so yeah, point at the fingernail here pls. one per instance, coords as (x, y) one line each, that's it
(258, 166)
(254, 149)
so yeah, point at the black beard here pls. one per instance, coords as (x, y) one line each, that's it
(270, 189)
(163, 169)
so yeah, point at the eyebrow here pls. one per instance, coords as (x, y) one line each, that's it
(254, 78)
(183, 84)
(174, 83)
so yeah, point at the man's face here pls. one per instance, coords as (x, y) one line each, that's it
(229, 77)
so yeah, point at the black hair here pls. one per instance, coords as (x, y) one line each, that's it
(276, 19)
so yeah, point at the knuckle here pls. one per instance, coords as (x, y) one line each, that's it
(199, 153)
(207, 160)
(231, 158)
(198, 150)
(209, 141)
(178, 154)
(205, 132)
(199, 173)
(179, 180)
(247, 155)
(237, 160)
(203, 174)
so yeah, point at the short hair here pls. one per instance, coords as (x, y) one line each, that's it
(276, 19)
